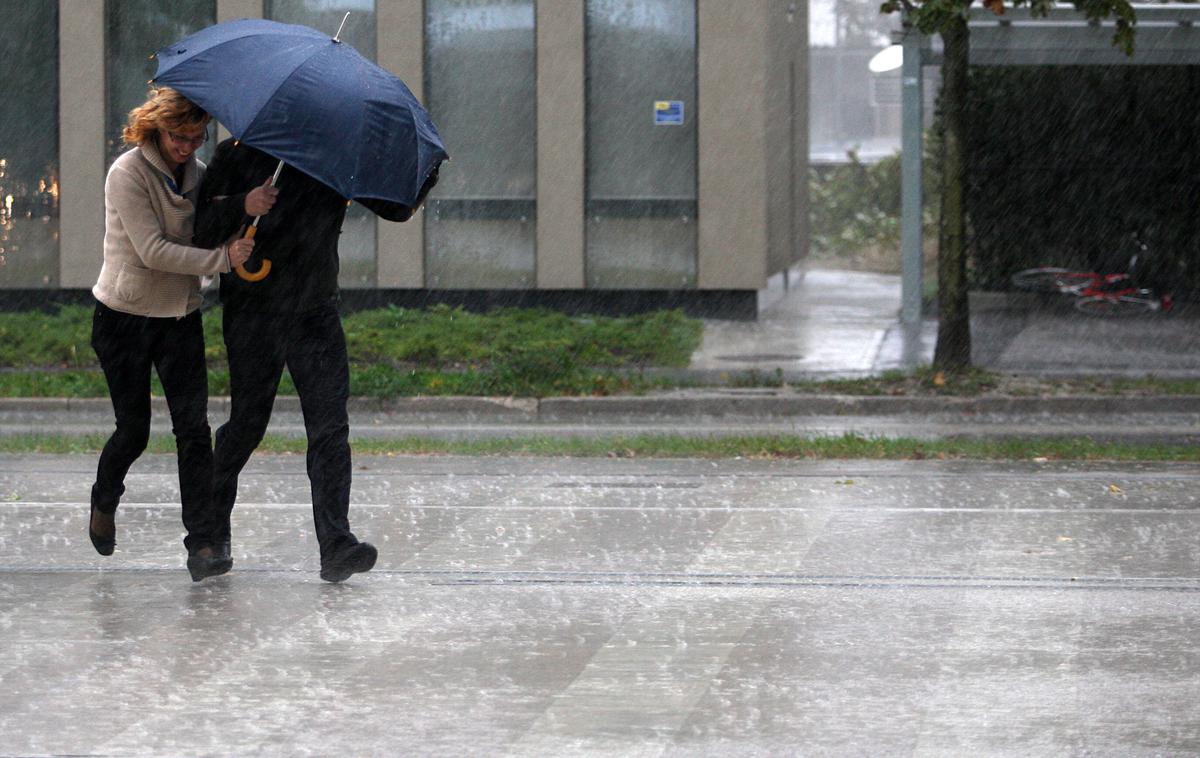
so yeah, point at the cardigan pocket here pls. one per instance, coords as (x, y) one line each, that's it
(134, 284)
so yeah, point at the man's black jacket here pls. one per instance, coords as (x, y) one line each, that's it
(299, 235)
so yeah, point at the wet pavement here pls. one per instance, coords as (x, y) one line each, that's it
(527, 606)
(844, 323)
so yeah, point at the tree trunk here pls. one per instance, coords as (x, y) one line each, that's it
(953, 349)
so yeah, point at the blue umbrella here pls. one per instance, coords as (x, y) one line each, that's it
(311, 101)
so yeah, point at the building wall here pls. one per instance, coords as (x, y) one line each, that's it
(750, 114)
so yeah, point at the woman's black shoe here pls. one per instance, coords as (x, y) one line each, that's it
(104, 545)
(205, 563)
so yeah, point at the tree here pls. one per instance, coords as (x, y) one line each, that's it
(949, 19)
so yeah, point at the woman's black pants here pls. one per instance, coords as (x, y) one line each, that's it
(128, 346)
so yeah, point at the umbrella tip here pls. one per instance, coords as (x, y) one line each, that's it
(343, 24)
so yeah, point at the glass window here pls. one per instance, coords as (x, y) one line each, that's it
(641, 144)
(356, 249)
(851, 108)
(29, 146)
(136, 29)
(480, 86)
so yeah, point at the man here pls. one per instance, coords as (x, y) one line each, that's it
(290, 319)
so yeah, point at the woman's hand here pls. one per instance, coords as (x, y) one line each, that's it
(239, 251)
(260, 200)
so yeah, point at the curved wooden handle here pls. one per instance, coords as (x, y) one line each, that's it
(263, 270)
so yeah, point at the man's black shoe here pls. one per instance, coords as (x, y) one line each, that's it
(349, 560)
(207, 562)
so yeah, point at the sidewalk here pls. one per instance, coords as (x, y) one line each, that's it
(845, 324)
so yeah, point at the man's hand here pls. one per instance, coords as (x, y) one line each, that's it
(260, 200)
(239, 251)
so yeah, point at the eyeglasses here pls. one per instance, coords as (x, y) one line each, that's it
(182, 141)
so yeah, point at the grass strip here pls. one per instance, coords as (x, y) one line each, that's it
(441, 337)
(849, 446)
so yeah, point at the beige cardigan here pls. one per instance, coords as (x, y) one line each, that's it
(149, 267)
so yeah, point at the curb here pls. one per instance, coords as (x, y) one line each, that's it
(730, 403)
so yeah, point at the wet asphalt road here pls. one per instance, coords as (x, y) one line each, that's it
(615, 607)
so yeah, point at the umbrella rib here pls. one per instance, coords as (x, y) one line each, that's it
(282, 82)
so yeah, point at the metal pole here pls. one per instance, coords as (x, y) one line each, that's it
(910, 177)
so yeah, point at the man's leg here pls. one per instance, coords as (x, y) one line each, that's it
(319, 366)
(178, 352)
(254, 348)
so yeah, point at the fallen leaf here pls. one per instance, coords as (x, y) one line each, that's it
(1115, 490)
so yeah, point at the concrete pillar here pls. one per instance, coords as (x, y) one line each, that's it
(231, 10)
(560, 159)
(81, 98)
(400, 45)
(732, 43)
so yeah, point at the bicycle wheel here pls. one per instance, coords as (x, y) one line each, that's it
(1099, 305)
(1045, 279)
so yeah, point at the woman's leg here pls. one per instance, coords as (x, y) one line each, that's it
(178, 353)
(120, 342)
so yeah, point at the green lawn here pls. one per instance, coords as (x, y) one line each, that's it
(396, 352)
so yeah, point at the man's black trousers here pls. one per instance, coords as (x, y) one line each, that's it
(313, 347)
(128, 346)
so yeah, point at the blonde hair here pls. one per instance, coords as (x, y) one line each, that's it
(166, 108)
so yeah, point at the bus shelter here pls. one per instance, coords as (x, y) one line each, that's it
(1166, 34)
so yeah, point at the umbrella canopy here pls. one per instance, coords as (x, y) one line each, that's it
(310, 101)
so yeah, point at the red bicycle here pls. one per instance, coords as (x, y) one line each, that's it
(1096, 294)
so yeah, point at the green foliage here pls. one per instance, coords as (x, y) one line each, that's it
(61, 339)
(440, 337)
(396, 352)
(856, 205)
(933, 16)
(443, 336)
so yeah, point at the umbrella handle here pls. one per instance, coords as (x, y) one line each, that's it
(263, 270)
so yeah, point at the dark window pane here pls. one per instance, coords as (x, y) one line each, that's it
(135, 30)
(480, 223)
(29, 145)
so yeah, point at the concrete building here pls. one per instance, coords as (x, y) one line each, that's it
(621, 153)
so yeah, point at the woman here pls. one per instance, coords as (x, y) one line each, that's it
(147, 314)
